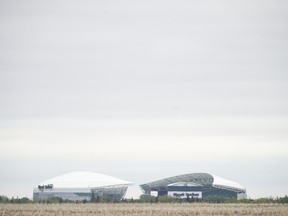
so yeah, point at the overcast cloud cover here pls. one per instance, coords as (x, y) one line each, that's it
(143, 90)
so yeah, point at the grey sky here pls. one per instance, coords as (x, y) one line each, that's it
(144, 90)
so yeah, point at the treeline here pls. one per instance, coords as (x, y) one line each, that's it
(149, 199)
(279, 200)
(4, 199)
(211, 199)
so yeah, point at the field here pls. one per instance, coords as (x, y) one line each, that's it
(141, 209)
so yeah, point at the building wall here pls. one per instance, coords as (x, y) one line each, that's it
(64, 195)
(203, 192)
(80, 194)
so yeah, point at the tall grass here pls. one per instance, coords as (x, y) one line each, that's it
(123, 209)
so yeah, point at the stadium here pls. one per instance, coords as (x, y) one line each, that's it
(79, 186)
(196, 185)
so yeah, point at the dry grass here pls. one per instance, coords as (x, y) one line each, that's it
(141, 209)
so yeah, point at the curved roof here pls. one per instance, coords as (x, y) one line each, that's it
(203, 179)
(185, 184)
(84, 180)
(218, 181)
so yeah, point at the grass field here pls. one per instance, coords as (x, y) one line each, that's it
(141, 209)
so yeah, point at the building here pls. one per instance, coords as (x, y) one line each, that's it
(196, 185)
(79, 186)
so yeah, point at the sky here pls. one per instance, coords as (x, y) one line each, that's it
(143, 90)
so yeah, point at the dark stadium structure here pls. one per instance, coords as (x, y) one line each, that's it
(196, 185)
(115, 193)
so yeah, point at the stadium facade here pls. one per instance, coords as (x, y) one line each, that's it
(196, 185)
(79, 186)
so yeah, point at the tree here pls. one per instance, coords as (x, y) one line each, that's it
(147, 198)
(93, 198)
(25, 200)
(166, 199)
(283, 199)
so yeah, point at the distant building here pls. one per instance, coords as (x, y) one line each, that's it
(196, 185)
(79, 186)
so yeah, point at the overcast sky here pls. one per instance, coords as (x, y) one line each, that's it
(143, 90)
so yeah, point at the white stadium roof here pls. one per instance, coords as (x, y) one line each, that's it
(224, 182)
(84, 180)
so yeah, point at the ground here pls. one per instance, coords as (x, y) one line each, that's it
(142, 209)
